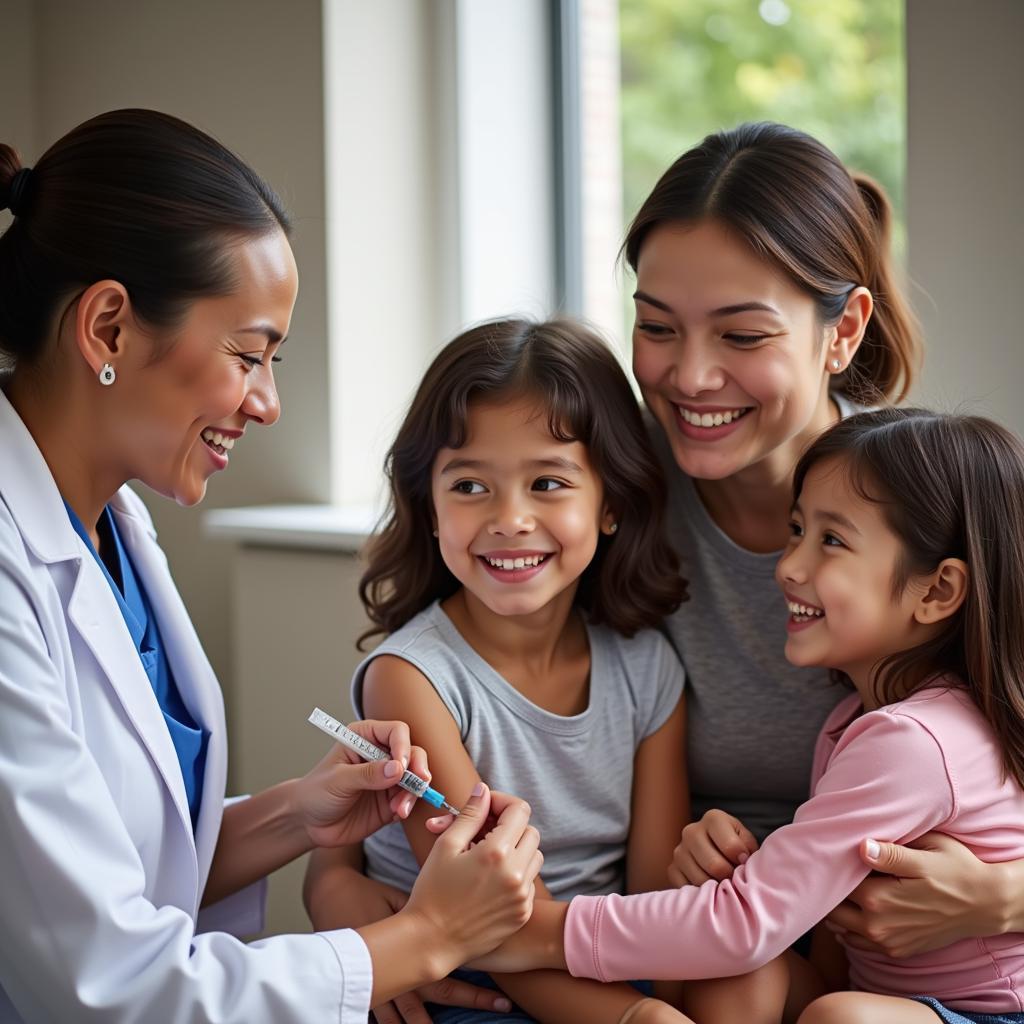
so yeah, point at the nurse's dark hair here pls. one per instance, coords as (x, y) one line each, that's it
(135, 196)
(633, 580)
(791, 199)
(949, 486)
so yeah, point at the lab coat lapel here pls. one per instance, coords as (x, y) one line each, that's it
(192, 673)
(94, 613)
(29, 490)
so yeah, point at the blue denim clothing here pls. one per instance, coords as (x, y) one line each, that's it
(963, 1017)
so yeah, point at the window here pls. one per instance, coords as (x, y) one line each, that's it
(656, 76)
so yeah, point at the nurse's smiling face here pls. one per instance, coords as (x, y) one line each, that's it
(174, 420)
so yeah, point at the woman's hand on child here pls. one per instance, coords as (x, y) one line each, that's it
(932, 892)
(351, 900)
(474, 892)
(408, 1008)
(710, 848)
(344, 799)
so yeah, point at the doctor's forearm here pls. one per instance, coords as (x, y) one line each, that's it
(257, 836)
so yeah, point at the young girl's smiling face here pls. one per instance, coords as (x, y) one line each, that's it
(838, 574)
(518, 512)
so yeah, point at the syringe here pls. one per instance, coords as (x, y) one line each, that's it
(366, 750)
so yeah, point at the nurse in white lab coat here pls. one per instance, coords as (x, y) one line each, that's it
(146, 284)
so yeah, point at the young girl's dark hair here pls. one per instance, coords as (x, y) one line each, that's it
(949, 487)
(132, 195)
(794, 202)
(633, 580)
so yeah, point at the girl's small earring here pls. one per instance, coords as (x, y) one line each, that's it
(836, 366)
(435, 533)
(613, 528)
(107, 375)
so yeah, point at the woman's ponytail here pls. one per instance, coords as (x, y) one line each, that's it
(889, 357)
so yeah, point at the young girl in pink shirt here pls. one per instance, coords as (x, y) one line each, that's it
(905, 574)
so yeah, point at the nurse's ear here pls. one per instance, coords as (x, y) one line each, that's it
(103, 321)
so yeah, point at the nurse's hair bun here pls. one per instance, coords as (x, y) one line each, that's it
(13, 181)
(134, 196)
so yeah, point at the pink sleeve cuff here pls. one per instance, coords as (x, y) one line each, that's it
(582, 924)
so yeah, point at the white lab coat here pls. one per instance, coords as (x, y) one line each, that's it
(100, 875)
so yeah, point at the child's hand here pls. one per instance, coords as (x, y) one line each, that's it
(710, 848)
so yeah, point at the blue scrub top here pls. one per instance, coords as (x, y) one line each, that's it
(188, 738)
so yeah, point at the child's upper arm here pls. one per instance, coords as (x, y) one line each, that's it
(660, 803)
(393, 688)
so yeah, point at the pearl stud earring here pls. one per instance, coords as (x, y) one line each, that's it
(836, 366)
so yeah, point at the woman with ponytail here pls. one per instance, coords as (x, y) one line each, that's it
(767, 309)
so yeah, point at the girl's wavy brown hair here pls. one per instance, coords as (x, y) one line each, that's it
(949, 486)
(633, 581)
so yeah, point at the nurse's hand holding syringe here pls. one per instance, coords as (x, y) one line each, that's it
(394, 775)
(347, 796)
(410, 781)
(475, 888)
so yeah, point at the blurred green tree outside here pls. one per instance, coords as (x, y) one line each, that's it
(832, 68)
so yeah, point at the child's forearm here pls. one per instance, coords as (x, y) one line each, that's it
(554, 997)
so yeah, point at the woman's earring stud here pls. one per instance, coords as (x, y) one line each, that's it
(435, 533)
(613, 528)
(107, 375)
(836, 366)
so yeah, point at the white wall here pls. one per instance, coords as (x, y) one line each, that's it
(965, 203)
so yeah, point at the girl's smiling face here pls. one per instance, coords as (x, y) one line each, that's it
(839, 575)
(728, 352)
(518, 512)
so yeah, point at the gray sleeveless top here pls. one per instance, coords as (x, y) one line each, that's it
(752, 718)
(576, 771)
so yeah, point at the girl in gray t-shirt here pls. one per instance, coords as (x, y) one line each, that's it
(520, 575)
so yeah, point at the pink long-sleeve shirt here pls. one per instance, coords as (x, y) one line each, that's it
(928, 763)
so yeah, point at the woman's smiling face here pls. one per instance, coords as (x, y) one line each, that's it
(728, 352)
(215, 378)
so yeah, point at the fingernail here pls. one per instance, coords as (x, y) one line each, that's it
(478, 789)
(873, 849)
(502, 1005)
(391, 769)
(742, 858)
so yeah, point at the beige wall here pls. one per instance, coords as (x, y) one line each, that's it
(965, 208)
(17, 82)
(296, 654)
(249, 72)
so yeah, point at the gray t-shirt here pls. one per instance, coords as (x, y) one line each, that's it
(752, 718)
(575, 771)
